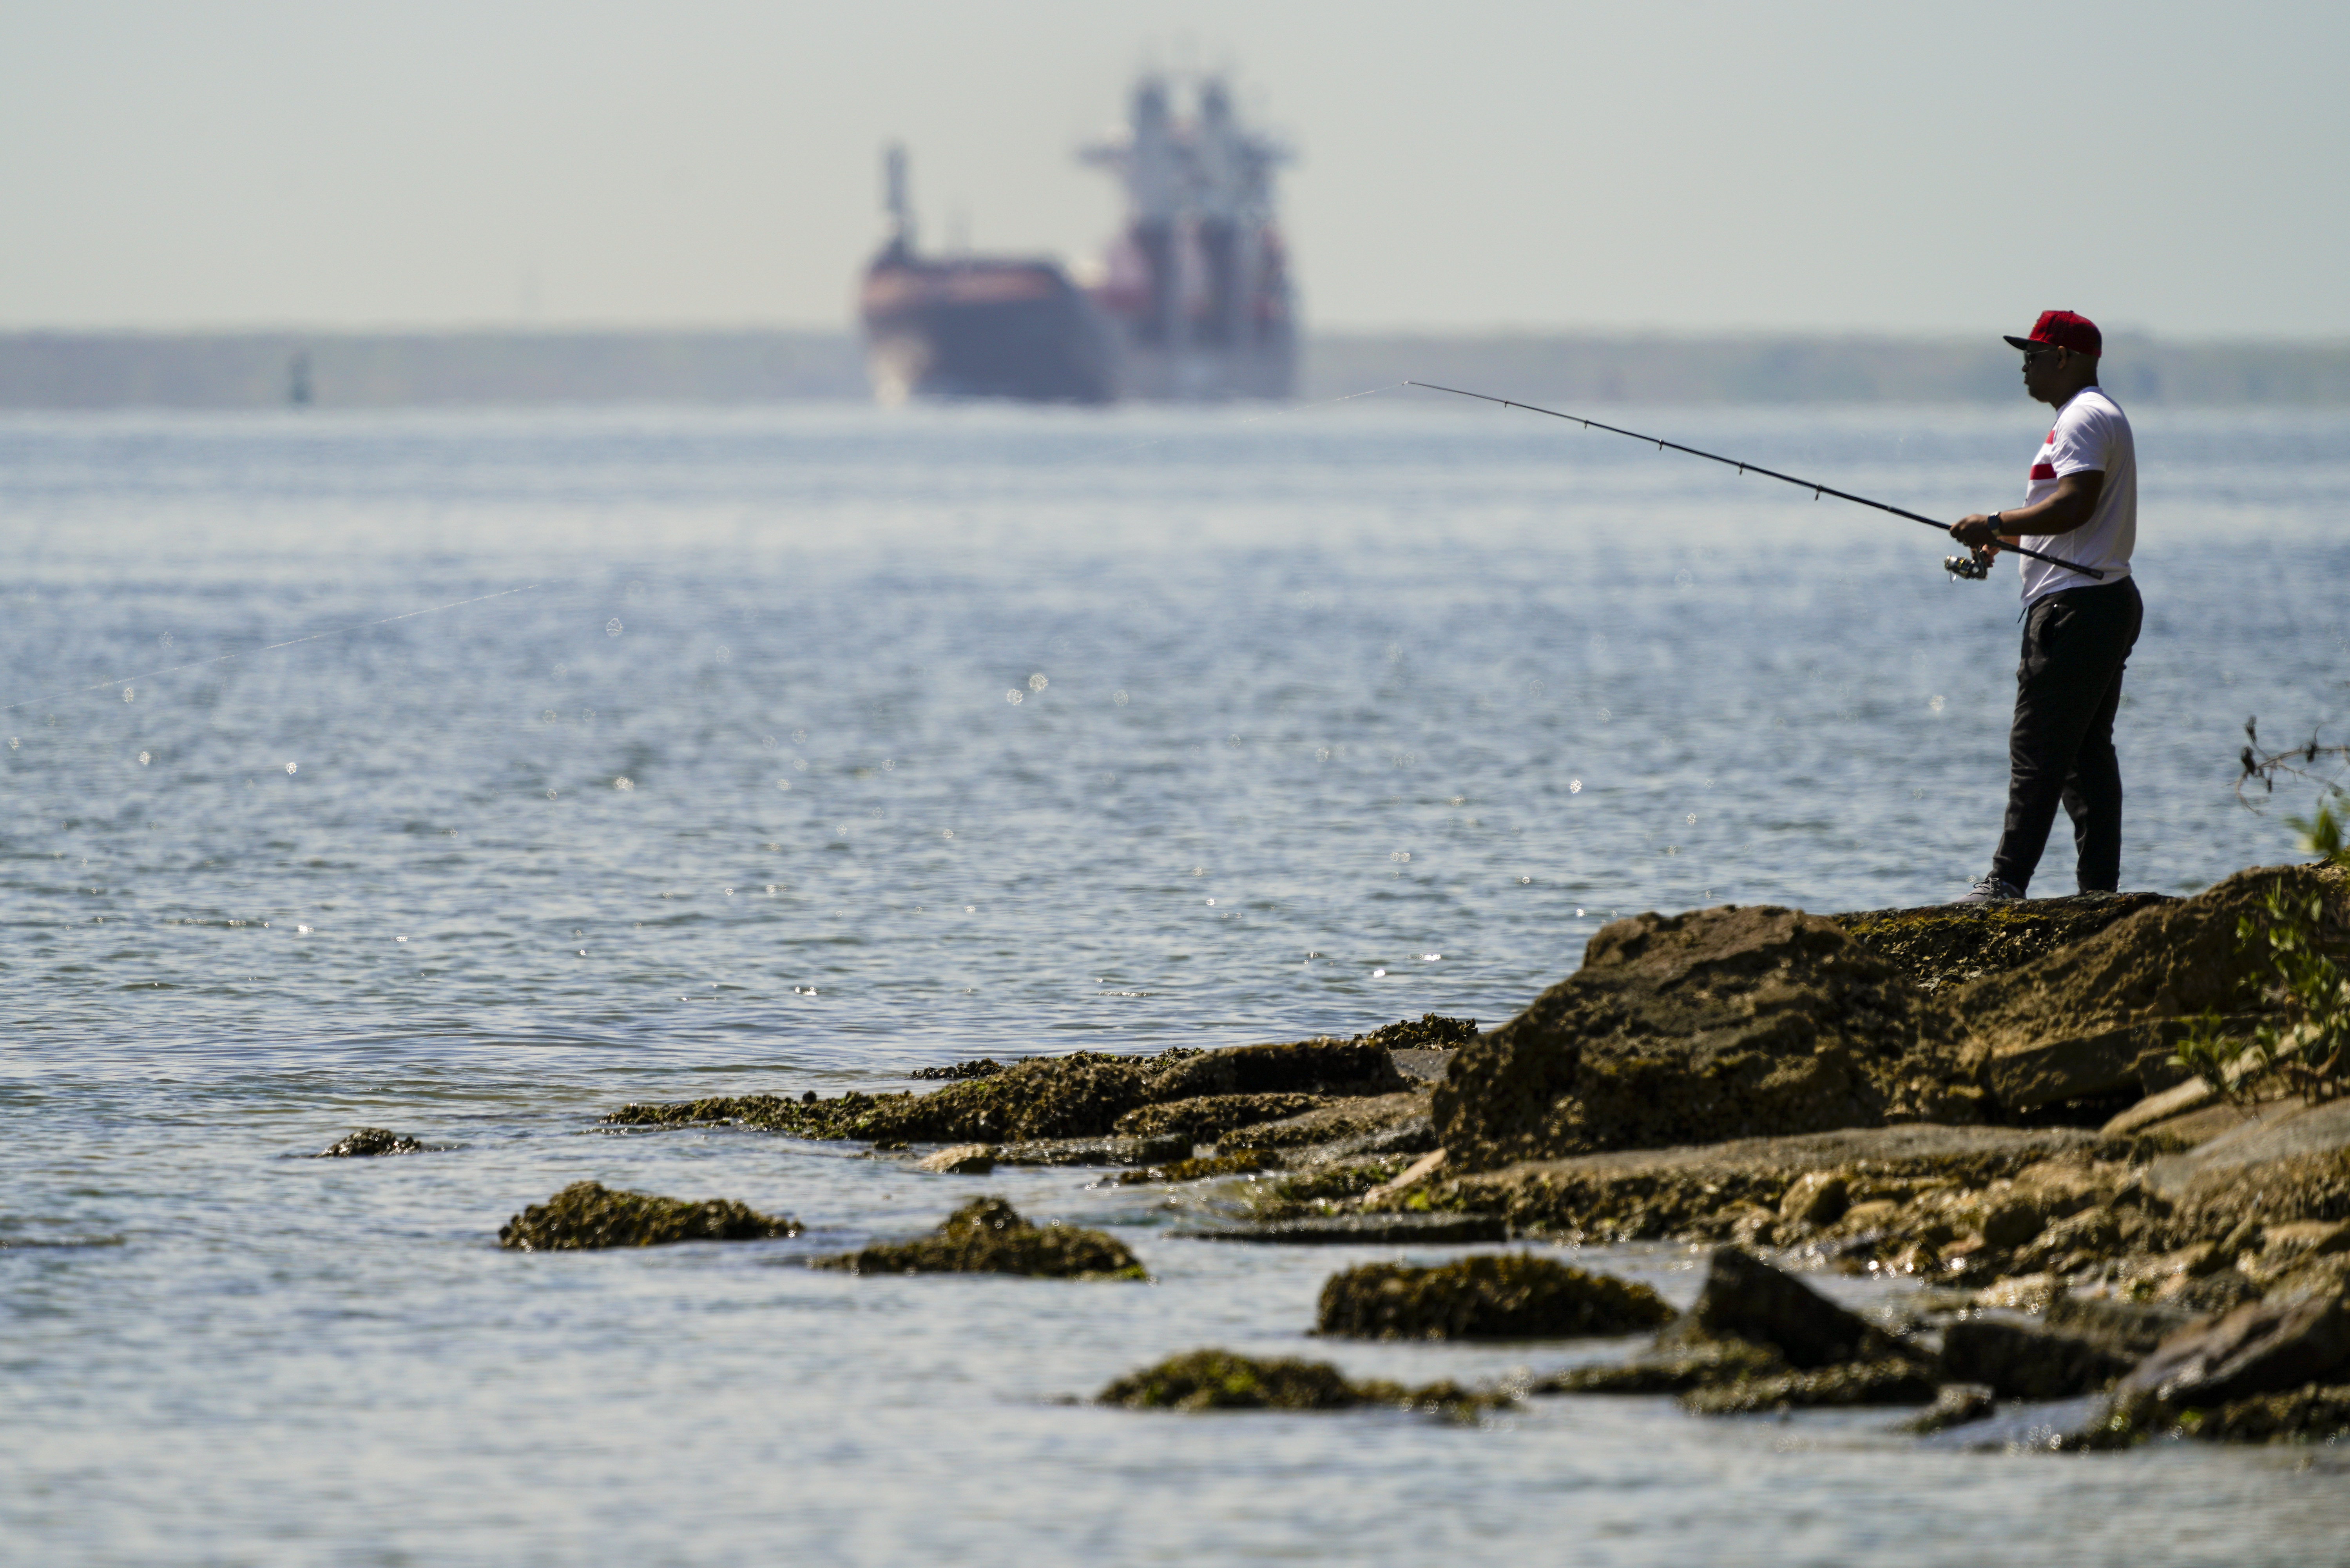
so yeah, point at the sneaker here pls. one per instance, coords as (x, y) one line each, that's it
(1991, 890)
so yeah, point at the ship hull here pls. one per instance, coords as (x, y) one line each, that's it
(983, 329)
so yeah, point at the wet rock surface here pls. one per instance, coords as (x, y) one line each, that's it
(367, 1143)
(1717, 1024)
(1248, 1162)
(1221, 1380)
(987, 1236)
(586, 1216)
(1505, 1296)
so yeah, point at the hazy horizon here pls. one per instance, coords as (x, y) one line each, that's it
(1688, 168)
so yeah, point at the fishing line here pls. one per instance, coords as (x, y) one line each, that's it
(1816, 488)
(272, 648)
(1256, 419)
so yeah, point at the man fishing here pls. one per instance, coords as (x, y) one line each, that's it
(2081, 615)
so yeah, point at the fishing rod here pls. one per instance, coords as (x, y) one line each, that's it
(1972, 566)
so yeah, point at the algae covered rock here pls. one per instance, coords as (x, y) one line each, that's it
(1681, 1029)
(1221, 1380)
(1943, 945)
(366, 1143)
(587, 1215)
(1083, 1094)
(987, 1236)
(1488, 1296)
(1427, 1032)
(2262, 1347)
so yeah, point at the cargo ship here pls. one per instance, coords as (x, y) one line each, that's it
(1191, 301)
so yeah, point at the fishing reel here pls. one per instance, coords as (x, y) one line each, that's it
(1973, 566)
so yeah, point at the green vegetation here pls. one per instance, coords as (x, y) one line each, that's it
(2306, 1050)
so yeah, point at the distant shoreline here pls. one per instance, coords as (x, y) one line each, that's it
(226, 371)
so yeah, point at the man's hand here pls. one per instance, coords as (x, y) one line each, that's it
(1975, 532)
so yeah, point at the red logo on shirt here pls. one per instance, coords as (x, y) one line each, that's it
(2043, 471)
(2052, 435)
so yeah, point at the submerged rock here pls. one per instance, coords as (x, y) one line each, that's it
(1507, 1296)
(587, 1215)
(1674, 1366)
(1221, 1380)
(1955, 1405)
(364, 1143)
(1721, 1024)
(987, 1236)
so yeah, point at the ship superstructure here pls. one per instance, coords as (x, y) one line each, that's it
(1193, 302)
(1197, 285)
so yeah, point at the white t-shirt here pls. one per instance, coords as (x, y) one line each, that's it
(2090, 433)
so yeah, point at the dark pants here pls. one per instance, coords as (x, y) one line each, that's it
(2060, 749)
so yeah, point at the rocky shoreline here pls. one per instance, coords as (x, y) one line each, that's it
(1981, 1100)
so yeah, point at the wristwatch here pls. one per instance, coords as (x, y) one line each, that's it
(1994, 524)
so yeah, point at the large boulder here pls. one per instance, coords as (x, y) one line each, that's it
(1487, 1296)
(2102, 1016)
(1681, 1029)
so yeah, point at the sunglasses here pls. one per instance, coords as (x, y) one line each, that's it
(2033, 355)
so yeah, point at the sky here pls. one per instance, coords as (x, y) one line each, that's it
(1689, 166)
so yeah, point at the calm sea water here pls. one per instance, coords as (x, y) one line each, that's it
(472, 774)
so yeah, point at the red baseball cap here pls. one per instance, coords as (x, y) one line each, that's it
(2064, 329)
